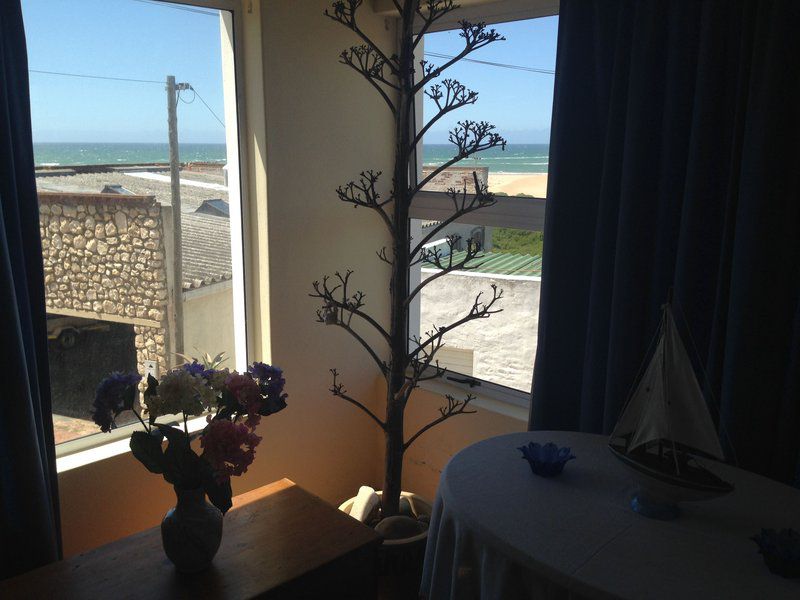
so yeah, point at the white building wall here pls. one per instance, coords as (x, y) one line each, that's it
(504, 344)
(208, 322)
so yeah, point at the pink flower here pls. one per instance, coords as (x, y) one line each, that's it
(228, 447)
(246, 391)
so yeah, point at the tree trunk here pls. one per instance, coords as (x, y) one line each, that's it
(395, 401)
(393, 476)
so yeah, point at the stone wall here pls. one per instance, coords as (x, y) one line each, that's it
(104, 258)
(504, 344)
(455, 177)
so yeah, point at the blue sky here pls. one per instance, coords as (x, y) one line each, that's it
(120, 38)
(141, 40)
(519, 103)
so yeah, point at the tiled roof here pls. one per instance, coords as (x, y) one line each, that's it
(206, 250)
(499, 263)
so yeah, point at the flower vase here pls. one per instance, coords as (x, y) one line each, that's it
(192, 531)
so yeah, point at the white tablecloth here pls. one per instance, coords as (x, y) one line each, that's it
(499, 531)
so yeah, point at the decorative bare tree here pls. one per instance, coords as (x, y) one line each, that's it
(410, 360)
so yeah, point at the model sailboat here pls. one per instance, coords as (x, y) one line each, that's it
(665, 427)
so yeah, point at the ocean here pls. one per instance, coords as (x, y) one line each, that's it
(517, 158)
(61, 154)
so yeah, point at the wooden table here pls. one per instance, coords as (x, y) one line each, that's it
(279, 541)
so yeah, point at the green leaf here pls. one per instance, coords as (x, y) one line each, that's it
(219, 493)
(146, 447)
(174, 435)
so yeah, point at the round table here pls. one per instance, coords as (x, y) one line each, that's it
(499, 531)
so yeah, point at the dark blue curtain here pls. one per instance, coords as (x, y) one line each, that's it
(675, 163)
(28, 492)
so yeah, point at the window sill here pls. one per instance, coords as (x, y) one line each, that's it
(100, 446)
(484, 399)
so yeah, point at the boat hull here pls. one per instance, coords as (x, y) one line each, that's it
(659, 488)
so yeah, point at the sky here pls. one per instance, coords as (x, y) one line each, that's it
(121, 38)
(139, 39)
(518, 103)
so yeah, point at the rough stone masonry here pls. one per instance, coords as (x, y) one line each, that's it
(104, 258)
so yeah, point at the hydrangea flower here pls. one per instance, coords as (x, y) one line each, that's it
(115, 394)
(196, 368)
(216, 378)
(271, 383)
(228, 447)
(246, 391)
(264, 372)
(181, 391)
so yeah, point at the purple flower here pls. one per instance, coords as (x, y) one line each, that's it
(196, 368)
(115, 394)
(264, 372)
(270, 382)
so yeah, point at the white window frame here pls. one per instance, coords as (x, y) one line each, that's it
(98, 446)
(508, 211)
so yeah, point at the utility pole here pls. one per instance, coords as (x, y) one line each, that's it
(174, 172)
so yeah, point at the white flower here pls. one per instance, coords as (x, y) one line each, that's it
(181, 392)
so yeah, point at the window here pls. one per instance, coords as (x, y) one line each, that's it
(514, 80)
(141, 269)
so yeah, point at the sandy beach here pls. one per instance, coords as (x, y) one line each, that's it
(519, 183)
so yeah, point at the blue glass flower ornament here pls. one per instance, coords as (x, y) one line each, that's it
(781, 551)
(546, 460)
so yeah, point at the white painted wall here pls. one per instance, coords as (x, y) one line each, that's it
(208, 322)
(505, 343)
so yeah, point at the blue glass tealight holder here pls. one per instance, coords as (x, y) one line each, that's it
(546, 460)
(781, 551)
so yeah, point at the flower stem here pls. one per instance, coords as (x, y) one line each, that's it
(146, 428)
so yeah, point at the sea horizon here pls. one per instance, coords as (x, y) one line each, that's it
(516, 158)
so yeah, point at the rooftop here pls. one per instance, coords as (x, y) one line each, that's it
(499, 263)
(206, 239)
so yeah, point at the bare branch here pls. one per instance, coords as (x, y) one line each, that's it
(448, 96)
(336, 302)
(479, 310)
(362, 60)
(364, 194)
(445, 264)
(344, 12)
(463, 204)
(469, 137)
(454, 407)
(338, 389)
(476, 36)
(382, 255)
(433, 11)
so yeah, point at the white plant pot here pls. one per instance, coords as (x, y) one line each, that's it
(419, 505)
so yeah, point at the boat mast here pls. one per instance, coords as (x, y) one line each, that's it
(667, 350)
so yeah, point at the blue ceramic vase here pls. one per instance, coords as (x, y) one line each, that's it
(192, 531)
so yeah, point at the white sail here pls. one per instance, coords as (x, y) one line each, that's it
(668, 403)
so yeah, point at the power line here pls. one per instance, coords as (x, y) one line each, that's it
(496, 64)
(199, 97)
(85, 76)
(199, 11)
(95, 76)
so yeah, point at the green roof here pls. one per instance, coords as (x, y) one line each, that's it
(499, 263)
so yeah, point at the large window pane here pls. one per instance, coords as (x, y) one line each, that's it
(138, 274)
(514, 81)
(502, 347)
